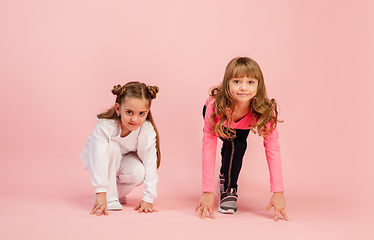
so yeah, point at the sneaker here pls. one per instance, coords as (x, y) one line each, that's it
(221, 184)
(227, 203)
(114, 206)
(123, 200)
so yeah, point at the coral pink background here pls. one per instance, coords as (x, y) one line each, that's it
(59, 60)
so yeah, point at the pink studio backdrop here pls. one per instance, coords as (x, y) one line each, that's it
(59, 61)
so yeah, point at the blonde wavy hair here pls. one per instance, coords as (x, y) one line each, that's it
(134, 90)
(263, 109)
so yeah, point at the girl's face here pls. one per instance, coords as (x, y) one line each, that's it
(134, 112)
(243, 89)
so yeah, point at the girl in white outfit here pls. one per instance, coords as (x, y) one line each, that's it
(123, 150)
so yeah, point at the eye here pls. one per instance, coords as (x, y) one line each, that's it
(142, 113)
(236, 81)
(251, 82)
(128, 112)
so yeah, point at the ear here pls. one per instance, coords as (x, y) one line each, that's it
(117, 107)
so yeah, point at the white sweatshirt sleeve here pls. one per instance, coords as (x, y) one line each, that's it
(148, 154)
(95, 155)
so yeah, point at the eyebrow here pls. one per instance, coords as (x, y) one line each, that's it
(128, 109)
(250, 78)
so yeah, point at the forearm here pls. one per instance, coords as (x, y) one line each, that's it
(273, 157)
(208, 162)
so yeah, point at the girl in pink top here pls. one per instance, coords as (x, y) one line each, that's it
(239, 104)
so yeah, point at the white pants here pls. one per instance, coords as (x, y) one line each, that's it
(124, 172)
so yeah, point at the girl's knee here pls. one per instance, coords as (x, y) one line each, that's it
(132, 174)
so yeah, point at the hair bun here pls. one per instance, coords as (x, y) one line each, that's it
(118, 90)
(153, 90)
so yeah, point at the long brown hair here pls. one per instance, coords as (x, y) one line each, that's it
(134, 90)
(263, 109)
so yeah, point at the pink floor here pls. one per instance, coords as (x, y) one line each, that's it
(55, 204)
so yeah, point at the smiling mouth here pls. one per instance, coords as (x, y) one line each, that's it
(243, 94)
(133, 124)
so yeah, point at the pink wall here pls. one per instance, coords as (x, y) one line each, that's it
(59, 60)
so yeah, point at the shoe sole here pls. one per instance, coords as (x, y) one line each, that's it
(230, 211)
(118, 209)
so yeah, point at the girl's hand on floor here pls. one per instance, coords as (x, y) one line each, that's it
(206, 204)
(100, 204)
(146, 207)
(279, 203)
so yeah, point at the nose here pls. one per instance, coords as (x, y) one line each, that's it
(243, 86)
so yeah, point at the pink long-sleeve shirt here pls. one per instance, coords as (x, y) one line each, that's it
(271, 144)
